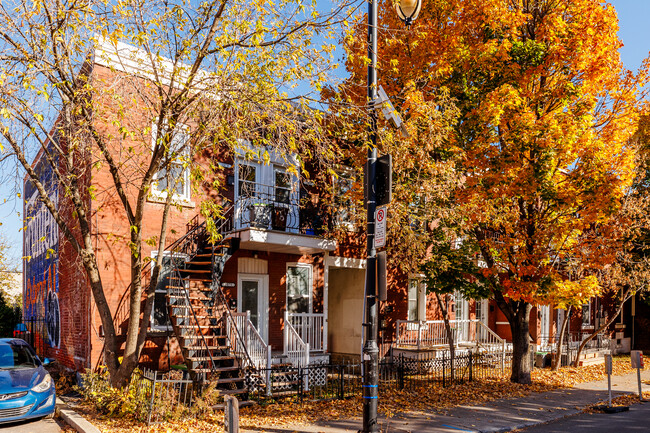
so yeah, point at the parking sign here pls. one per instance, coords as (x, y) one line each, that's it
(380, 226)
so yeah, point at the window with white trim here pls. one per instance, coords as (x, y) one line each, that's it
(416, 299)
(299, 288)
(175, 177)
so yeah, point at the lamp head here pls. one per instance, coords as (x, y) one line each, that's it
(408, 10)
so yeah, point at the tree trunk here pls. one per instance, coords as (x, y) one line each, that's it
(137, 333)
(557, 359)
(450, 335)
(521, 350)
(626, 296)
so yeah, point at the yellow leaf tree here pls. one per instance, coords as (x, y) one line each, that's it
(220, 68)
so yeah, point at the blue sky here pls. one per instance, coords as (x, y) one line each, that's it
(634, 31)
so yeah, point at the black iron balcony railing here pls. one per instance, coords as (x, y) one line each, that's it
(277, 208)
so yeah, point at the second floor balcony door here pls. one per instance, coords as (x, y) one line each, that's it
(266, 197)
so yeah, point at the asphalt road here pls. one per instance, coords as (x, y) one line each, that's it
(637, 419)
(37, 426)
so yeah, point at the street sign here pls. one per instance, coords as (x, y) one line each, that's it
(380, 226)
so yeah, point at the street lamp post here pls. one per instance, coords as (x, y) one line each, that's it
(407, 10)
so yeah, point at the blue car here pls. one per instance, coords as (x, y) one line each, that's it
(26, 389)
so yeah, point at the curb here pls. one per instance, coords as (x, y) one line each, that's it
(73, 419)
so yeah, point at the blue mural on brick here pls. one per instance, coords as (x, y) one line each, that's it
(41, 249)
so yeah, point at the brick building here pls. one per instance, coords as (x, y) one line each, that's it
(274, 289)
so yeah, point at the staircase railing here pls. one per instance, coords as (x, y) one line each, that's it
(193, 333)
(259, 353)
(486, 337)
(310, 328)
(295, 347)
(122, 312)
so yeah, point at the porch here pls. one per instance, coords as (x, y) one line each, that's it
(303, 334)
(431, 336)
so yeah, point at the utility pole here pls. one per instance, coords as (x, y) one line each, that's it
(407, 10)
(370, 347)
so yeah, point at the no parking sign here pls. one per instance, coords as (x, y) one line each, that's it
(380, 226)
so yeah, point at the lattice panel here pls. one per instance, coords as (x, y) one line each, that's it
(317, 376)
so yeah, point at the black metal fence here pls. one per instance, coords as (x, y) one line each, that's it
(338, 381)
(315, 382)
(35, 334)
(172, 395)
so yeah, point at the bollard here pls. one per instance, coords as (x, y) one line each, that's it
(231, 414)
(608, 370)
(636, 356)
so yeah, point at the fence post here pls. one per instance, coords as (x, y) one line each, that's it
(268, 371)
(444, 372)
(400, 371)
(503, 356)
(470, 366)
(341, 389)
(153, 396)
(301, 380)
(231, 415)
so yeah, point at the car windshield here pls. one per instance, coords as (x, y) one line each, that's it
(14, 355)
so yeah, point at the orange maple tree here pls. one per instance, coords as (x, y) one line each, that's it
(545, 113)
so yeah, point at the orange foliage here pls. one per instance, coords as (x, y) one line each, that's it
(542, 137)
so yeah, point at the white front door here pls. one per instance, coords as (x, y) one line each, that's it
(462, 317)
(482, 316)
(253, 296)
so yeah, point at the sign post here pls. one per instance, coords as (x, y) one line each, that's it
(636, 356)
(608, 370)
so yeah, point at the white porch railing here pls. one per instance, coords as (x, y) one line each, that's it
(432, 333)
(309, 327)
(251, 341)
(295, 348)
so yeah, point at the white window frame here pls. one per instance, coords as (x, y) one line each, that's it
(154, 257)
(420, 299)
(182, 159)
(310, 284)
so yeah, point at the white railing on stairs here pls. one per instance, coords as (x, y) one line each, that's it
(309, 327)
(250, 341)
(295, 348)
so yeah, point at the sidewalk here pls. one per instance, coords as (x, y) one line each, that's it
(496, 416)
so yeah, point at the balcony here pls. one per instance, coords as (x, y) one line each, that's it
(272, 218)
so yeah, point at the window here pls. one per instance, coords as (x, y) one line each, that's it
(417, 299)
(175, 177)
(247, 180)
(299, 288)
(159, 313)
(586, 314)
(282, 186)
(343, 187)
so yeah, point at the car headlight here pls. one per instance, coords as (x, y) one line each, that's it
(45, 384)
